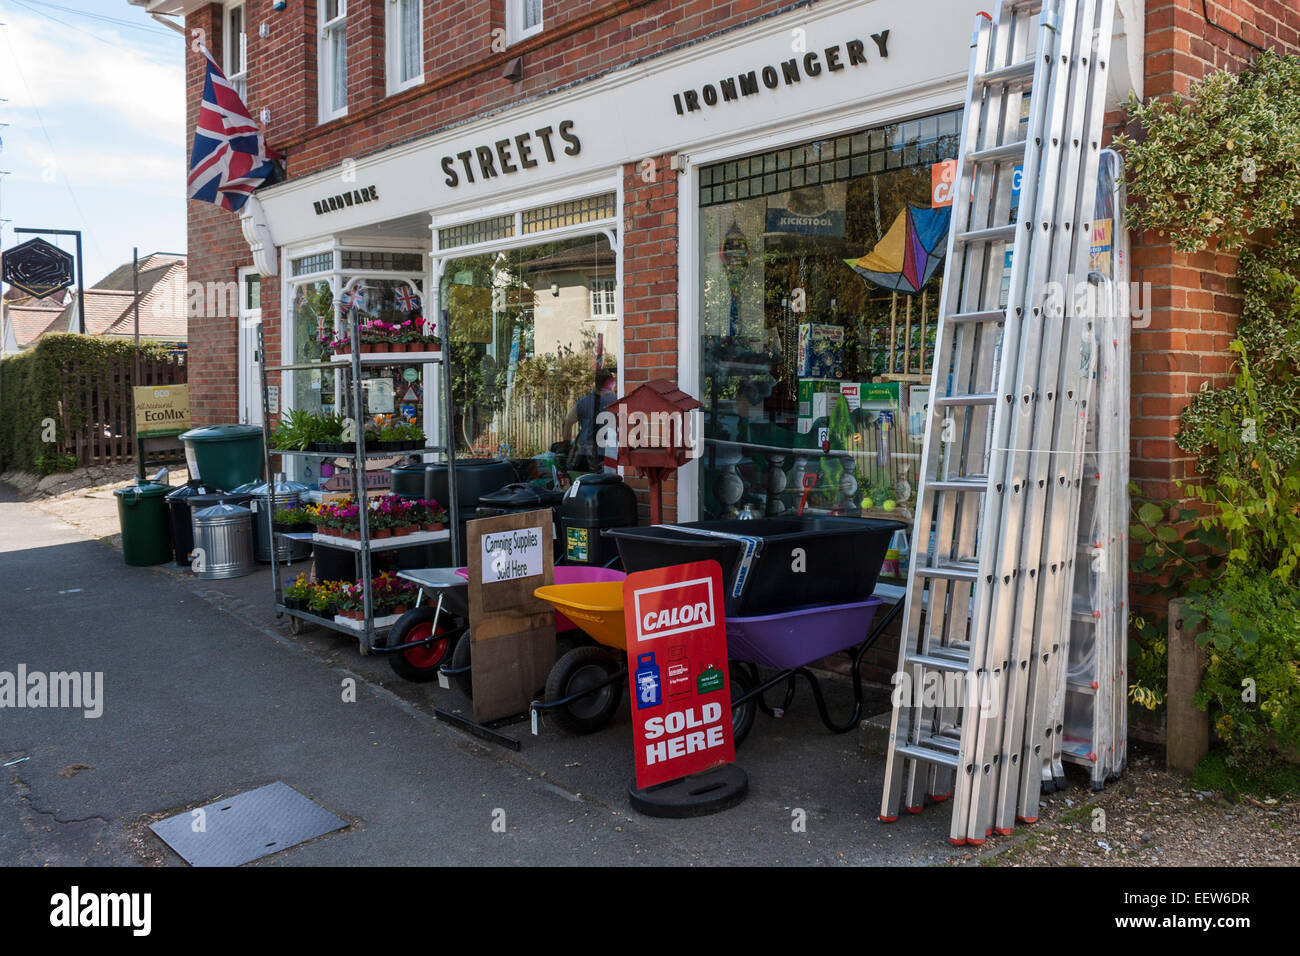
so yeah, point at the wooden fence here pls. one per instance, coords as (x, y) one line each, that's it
(98, 410)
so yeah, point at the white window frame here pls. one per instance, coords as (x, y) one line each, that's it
(325, 63)
(250, 316)
(515, 30)
(604, 298)
(393, 47)
(229, 42)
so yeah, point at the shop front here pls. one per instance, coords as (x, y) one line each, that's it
(761, 217)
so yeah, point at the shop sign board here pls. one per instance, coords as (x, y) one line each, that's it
(771, 77)
(677, 671)
(161, 411)
(38, 268)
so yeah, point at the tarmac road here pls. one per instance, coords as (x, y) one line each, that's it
(202, 701)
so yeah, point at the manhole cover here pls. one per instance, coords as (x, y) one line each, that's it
(246, 827)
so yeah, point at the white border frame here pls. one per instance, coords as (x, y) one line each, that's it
(393, 48)
(241, 77)
(325, 63)
(515, 16)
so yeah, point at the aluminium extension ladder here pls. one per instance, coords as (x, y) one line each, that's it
(987, 602)
(1095, 689)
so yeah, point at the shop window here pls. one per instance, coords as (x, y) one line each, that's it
(333, 58)
(405, 44)
(312, 308)
(252, 291)
(308, 265)
(819, 278)
(572, 213)
(356, 260)
(523, 19)
(235, 44)
(484, 230)
(524, 345)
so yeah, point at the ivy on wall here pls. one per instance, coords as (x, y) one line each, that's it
(1219, 165)
(35, 387)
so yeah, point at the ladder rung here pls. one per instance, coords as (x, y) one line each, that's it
(1016, 74)
(999, 154)
(949, 741)
(969, 398)
(929, 756)
(988, 315)
(991, 234)
(936, 663)
(977, 483)
(951, 572)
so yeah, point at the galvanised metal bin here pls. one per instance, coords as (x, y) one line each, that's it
(223, 542)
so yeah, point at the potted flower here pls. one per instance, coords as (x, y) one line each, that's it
(324, 598)
(288, 520)
(298, 594)
(433, 516)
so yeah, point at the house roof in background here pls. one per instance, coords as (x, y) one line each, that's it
(30, 321)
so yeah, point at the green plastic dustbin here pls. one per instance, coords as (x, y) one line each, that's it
(142, 514)
(224, 456)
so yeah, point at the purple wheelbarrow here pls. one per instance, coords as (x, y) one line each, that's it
(789, 641)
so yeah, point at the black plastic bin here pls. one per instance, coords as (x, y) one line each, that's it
(840, 562)
(518, 497)
(596, 503)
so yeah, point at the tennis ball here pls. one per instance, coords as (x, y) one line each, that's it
(889, 505)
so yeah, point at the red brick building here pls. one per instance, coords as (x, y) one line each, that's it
(702, 167)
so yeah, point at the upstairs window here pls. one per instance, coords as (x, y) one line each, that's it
(405, 44)
(333, 61)
(235, 44)
(523, 19)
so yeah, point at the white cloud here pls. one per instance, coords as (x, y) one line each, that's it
(58, 69)
(106, 165)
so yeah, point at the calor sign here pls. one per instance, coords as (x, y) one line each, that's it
(677, 671)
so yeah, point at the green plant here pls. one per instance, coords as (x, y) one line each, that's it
(401, 432)
(292, 517)
(1251, 638)
(299, 429)
(300, 590)
(1218, 165)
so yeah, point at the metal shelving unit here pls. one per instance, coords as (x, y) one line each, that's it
(350, 367)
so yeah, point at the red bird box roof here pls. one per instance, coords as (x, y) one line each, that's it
(661, 393)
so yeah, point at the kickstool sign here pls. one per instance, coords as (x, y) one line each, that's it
(677, 669)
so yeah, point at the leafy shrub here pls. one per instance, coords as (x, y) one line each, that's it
(1251, 638)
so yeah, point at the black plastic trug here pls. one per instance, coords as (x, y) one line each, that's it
(695, 796)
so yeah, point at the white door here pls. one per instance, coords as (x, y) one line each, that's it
(250, 374)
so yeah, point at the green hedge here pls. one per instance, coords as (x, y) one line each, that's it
(33, 384)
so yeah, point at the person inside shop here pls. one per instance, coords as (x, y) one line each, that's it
(583, 454)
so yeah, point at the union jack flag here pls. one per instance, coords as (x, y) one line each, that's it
(407, 300)
(230, 157)
(354, 298)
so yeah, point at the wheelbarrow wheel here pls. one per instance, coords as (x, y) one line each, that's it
(418, 664)
(460, 659)
(742, 717)
(576, 671)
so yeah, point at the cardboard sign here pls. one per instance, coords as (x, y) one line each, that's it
(508, 555)
(512, 632)
(677, 671)
(161, 411)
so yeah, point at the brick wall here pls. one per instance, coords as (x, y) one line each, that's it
(1195, 299)
(462, 70)
(650, 290)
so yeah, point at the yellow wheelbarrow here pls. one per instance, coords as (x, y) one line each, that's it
(585, 687)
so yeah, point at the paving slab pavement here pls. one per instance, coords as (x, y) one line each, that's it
(207, 695)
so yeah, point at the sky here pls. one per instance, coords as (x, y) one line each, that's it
(95, 139)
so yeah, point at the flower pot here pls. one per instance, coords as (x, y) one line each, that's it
(353, 535)
(431, 526)
(381, 532)
(400, 609)
(411, 529)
